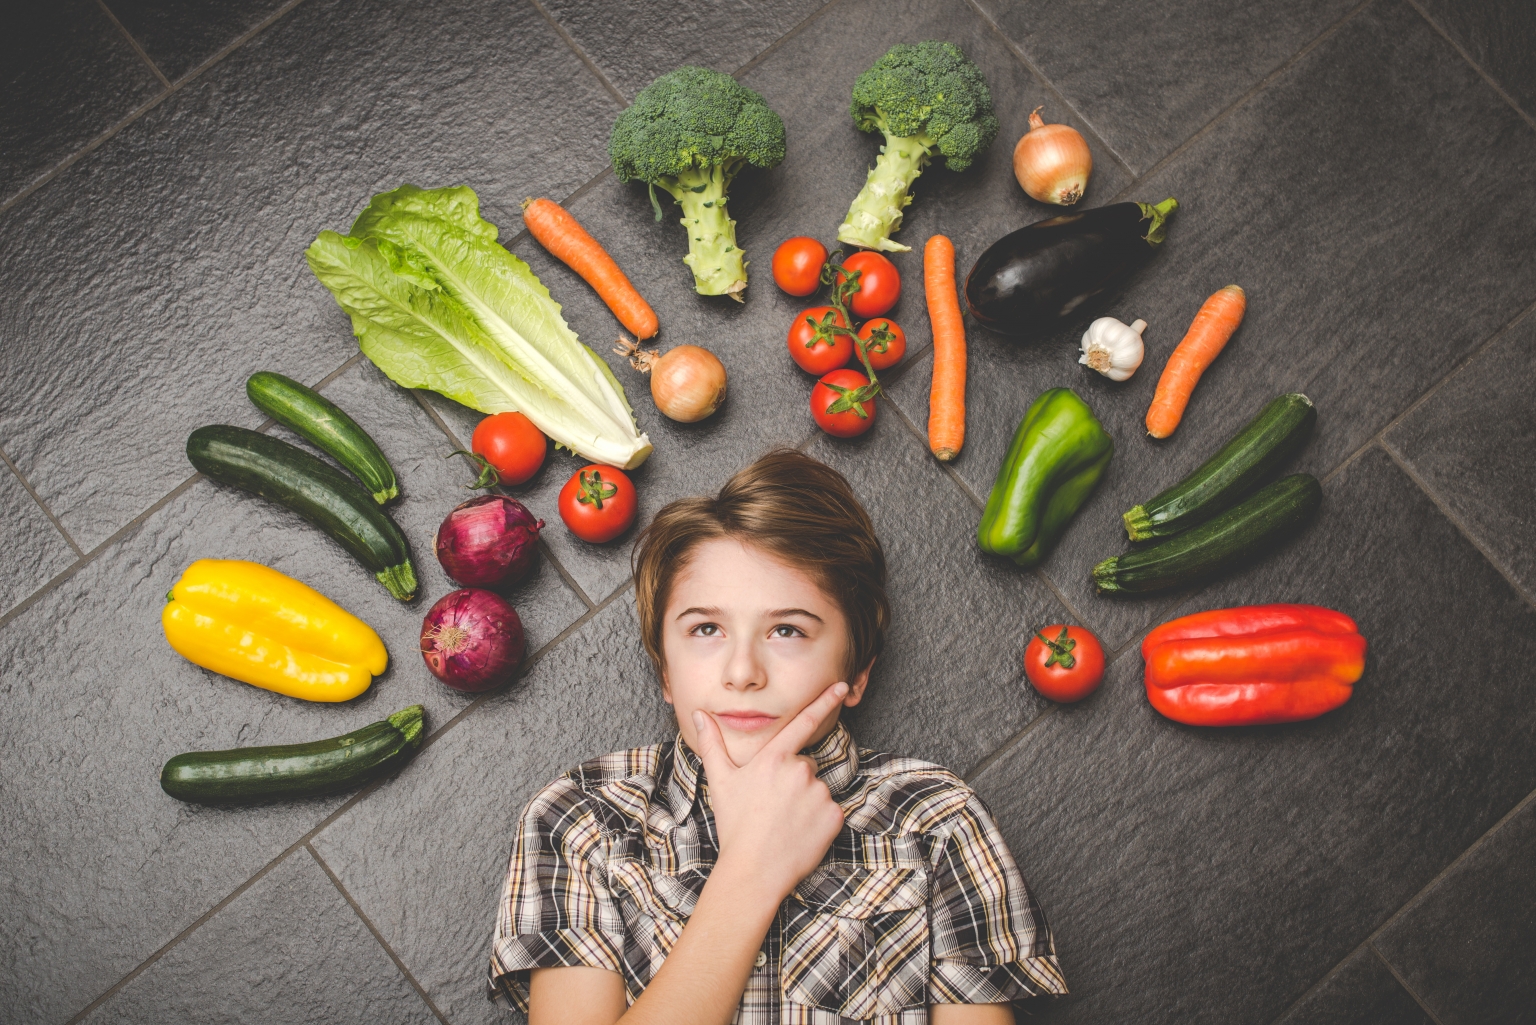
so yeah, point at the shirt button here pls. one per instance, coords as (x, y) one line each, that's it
(760, 960)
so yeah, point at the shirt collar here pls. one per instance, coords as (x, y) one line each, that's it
(836, 757)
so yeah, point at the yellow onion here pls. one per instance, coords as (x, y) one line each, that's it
(687, 384)
(1052, 162)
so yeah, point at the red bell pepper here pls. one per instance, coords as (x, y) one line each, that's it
(1253, 664)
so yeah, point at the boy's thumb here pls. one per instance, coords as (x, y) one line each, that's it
(709, 745)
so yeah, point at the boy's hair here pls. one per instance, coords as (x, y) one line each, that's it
(794, 508)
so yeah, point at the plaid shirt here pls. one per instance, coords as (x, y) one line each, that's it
(917, 901)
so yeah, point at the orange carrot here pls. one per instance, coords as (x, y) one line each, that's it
(563, 236)
(946, 398)
(1208, 335)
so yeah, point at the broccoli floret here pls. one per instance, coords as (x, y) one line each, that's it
(689, 132)
(927, 98)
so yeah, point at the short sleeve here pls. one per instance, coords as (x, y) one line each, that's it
(990, 940)
(555, 909)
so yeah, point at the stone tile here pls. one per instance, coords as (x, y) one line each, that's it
(950, 686)
(1458, 443)
(154, 275)
(1466, 947)
(1216, 874)
(179, 35)
(94, 701)
(1149, 75)
(1497, 34)
(425, 856)
(634, 41)
(1303, 197)
(808, 194)
(289, 949)
(1361, 991)
(34, 549)
(69, 76)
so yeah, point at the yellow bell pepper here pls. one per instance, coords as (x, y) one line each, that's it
(252, 623)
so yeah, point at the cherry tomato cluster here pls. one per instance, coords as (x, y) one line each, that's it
(823, 340)
(597, 503)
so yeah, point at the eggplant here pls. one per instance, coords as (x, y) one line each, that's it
(1036, 279)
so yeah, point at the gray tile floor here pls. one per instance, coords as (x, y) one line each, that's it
(1367, 172)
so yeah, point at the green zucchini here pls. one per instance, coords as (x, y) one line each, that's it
(313, 488)
(1271, 438)
(1245, 531)
(295, 770)
(311, 415)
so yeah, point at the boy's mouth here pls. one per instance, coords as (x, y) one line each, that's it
(745, 722)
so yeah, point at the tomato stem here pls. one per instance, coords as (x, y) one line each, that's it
(593, 491)
(488, 478)
(1061, 650)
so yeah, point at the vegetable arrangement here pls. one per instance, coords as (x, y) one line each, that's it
(1253, 665)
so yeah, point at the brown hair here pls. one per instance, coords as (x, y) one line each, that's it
(798, 510)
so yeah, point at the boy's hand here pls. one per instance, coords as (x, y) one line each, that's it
(774, 818)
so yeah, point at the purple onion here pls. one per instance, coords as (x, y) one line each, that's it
(488, 541)
(473, 640)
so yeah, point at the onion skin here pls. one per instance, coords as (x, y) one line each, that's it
(472, 640)
(687, 383)
(1052, 162)
(487, 541)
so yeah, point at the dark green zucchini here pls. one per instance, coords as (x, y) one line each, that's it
(1271, 438)
(295, 770)
(311, 415)
(1245, 531)
(313, 488)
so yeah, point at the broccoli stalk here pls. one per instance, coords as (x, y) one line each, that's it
(713, 256)
(926, 99)
(689, 133)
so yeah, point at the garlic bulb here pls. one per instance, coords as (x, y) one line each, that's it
(1113, 349)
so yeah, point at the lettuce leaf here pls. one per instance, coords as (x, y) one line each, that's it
(436, 303)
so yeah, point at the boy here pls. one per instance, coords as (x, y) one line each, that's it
(762, 869)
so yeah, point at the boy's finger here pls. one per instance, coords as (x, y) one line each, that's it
(799, 730)
(710, 746)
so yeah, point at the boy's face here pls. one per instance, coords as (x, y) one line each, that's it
(750, 641)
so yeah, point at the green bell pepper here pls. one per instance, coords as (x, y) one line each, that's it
(1058, 454)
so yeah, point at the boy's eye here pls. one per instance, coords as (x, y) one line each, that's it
(706, 630)
(785, 630)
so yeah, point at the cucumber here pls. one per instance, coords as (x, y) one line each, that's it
(313, 488)
(312, 416)
(1271, 438)
(1245, 531)
(295, 770)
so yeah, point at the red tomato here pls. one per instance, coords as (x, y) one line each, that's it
(511, 444)
(797, 265)
(1065, 663)
(846, 423)
(879, 284)
(816, 343)
(598, 503)
(884, 342)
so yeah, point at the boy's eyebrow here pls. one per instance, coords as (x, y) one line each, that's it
(713, 611)
(785, 613)
(699, 610)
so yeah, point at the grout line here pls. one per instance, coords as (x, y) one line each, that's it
(774, 46)
(1475, 66)
(328, 378)
(1241, 100)
(1050, 87)
(1456, 522)
(149, 105)
(1007, 745)
(1404, 983)
(581, 54)
(79, 554)
(134, 43)
(357, 910)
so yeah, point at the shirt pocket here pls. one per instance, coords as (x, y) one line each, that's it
(855, 934)
(655, 906)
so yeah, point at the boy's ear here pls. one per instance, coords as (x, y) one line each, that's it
(856, 686)
(666, 687)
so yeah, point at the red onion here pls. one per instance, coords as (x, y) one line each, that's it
(473, 640)
(488, 541)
